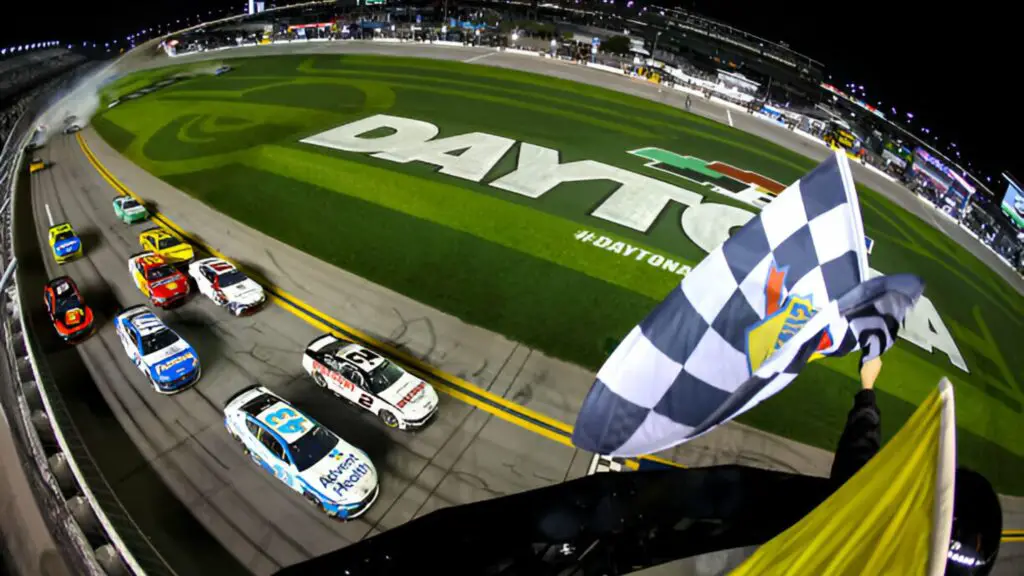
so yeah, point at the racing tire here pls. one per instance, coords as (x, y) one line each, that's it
(319, 379)
(388, 418)
(315, 502)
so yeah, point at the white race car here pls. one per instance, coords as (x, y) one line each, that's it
(371, 381)
(330, 473)
(72, 124)
(226, 285)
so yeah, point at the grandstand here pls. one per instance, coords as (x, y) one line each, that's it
(24, 76)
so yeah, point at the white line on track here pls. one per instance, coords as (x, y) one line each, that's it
(49, 216)
(729, 116)
(480, 57)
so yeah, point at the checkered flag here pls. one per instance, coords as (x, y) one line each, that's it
(787, 288)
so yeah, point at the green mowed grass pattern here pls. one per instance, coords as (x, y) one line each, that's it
(511, 264)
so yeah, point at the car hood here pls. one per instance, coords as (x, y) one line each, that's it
(179, 252)
(166, 287)
(245, 292)
(345, 475)
(414, 397)
(172, 362)
(67, 246)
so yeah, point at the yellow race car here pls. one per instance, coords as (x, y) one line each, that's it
(171, 248)
(36, 165)
(64, 243)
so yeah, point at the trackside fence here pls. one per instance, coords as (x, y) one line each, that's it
(94, 533)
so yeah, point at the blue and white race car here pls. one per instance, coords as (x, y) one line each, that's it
(166, 360)
(330, 473)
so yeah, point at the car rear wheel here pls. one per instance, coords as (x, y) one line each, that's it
(315, 502)
(319, 379)
(388, 419)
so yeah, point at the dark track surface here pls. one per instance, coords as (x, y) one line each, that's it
(464, 455)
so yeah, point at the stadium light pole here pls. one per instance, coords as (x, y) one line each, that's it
(655, 47)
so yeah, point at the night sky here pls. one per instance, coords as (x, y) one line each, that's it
(906, 55)
(913, 56)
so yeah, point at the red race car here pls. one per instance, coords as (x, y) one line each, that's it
(162, 283)
(70, 316)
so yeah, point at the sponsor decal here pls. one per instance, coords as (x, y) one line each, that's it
(784, 317)
(73, 316)
(627, 250)
(636, 202)
(412, 394)
(333, 376)
(65, 246)
(345, 475)
(166, 366)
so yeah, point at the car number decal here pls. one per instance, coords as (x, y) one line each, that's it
(361, 357)
(287, 421)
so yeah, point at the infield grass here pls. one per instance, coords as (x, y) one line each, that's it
(512, 264)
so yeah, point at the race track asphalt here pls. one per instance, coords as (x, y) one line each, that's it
(186, 480)
(464, 455)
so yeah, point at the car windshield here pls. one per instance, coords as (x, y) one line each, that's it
(230, 278)
(129, 203)
(159, 272)
(384, 376)
(312, 447)
(158, 341)
(64, 236)
(169, 242)
(67, 299)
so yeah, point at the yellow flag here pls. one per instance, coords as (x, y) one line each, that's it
(892, 517)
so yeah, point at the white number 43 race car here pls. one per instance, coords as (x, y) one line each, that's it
(371, 381)
(221, 282)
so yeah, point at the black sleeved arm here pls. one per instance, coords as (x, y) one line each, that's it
(861, 438)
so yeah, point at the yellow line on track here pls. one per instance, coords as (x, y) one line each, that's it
(449, 384)
(454, 386)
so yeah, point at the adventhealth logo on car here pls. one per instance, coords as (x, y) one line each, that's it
(636, 203)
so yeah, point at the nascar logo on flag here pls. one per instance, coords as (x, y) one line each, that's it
(786, 289)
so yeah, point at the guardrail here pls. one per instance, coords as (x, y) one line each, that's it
(95, 534)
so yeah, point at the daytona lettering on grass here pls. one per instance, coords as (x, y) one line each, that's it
(629, 251)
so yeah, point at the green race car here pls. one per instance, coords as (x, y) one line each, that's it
(128, 210)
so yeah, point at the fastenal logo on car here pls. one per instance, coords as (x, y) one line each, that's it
(161, 368)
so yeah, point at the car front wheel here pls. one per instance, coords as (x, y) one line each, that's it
(388, 419)
(315, 502)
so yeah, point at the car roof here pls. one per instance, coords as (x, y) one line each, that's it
(147, 323)
(365, 365)
(219, 266)
(288, 438)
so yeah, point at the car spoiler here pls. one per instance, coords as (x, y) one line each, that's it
(234, 397)
(320, 342)
(132, 310)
